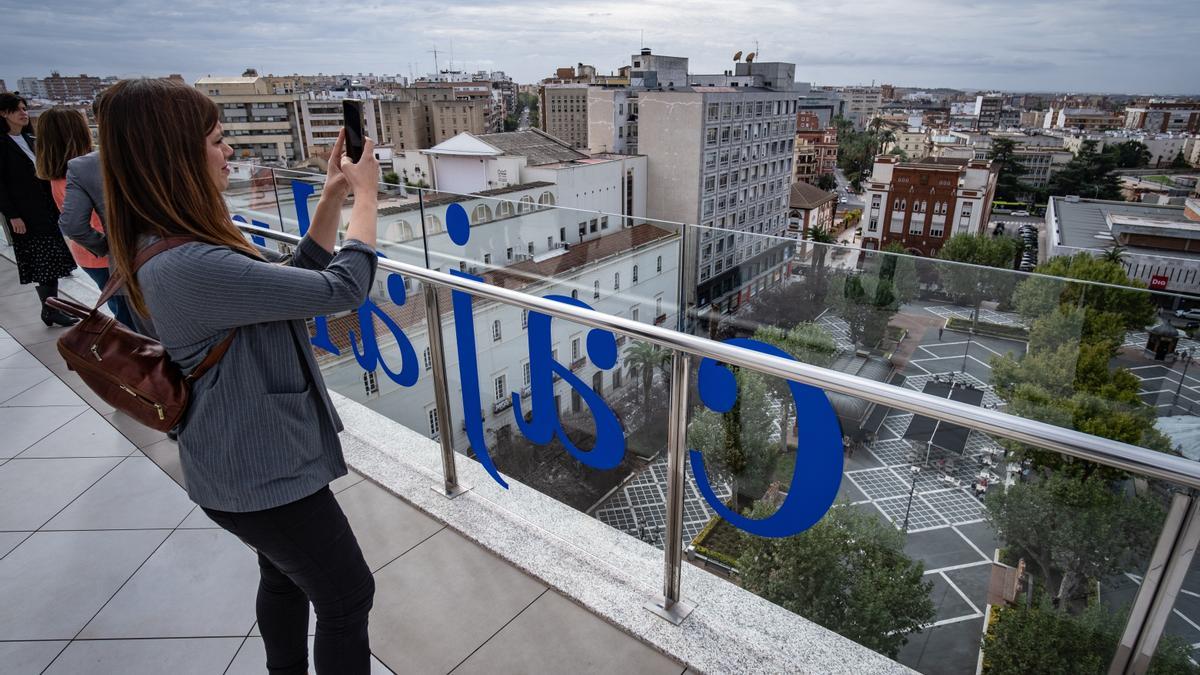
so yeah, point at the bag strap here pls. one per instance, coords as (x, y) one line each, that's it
(143, 256)
(214, 355)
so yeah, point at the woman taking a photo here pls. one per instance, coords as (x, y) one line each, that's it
(63, 135)
(259, 445)
(42, 255)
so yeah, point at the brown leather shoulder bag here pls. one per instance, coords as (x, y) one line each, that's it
(130, 371)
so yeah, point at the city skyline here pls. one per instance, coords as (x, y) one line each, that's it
(1080, 46)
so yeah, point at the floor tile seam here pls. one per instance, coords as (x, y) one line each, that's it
(122, 587)
(51, 459)
(498, 631)
(232, 659)
(48, 435)
(43, 529)
(410, 548)
(3, 402)
(82, 492)
(28, 535)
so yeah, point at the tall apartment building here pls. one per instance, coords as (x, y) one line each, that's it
(320, 119)
(428, 113)
(720, 150)
(1164, 116)
(816, 148)
(258, 123)
(988, 108)
(1084, 119)
(921, 204)
(31, 87)
(563, 112)
(78, 88)
(862, 104)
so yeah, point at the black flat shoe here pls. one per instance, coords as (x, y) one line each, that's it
(51, 316)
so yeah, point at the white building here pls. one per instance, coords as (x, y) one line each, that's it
(1161, 243)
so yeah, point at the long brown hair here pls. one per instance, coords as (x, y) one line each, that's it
(156, 175)
(63, 135)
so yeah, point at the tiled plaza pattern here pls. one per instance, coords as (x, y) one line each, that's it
(639, 506)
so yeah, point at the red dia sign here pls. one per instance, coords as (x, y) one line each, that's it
(1158, 282)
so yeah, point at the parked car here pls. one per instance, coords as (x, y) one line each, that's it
(844, 200)
(1190, 314)
(1020, 214)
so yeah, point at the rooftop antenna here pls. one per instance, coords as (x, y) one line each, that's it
(756, 51)
(643, 38)
(435, 60)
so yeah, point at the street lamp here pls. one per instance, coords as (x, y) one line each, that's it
(916, 470)
(1186, 355)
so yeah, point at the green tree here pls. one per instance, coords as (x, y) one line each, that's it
(1075, 530)
(972, 283)
(866, 303)
(1129, 155)
(1115, 304)
(391, 178)
(848, 573)
(808, 343)
(898, 267)
(643, 359)
(1180, 162)
(1040, 639)
(1008, 181)
(827, 182)
(1088, 174)
(736, 445)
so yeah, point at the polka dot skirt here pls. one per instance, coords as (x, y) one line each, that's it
(41, 258)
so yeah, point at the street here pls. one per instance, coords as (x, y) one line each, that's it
(853, 201)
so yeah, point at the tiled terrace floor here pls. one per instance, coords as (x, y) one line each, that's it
(107, 567)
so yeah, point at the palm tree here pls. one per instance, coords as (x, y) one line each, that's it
(644, 358)
(820, 235)
(1115, 253)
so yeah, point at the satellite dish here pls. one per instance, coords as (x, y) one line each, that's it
(750, 57)
(738, 56)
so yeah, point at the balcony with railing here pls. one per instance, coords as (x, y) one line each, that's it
(858, 462)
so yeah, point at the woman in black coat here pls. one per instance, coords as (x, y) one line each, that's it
(26, 201)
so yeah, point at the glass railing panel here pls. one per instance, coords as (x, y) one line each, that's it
(1177, 651)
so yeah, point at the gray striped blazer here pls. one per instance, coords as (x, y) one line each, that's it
(261, 431)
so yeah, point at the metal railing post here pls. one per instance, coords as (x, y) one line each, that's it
(441, 392)
(1140, 610)
(1135, 658)
(441, 395)
(671, 605)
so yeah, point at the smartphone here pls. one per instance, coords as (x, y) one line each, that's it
(352, 113)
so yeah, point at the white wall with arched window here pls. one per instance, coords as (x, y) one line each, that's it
(546, 199)
(526, 205)
(399, 230)
(504, 209)
(481, 214)
(433, 223)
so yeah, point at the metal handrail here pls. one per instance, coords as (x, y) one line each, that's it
(1104, 451)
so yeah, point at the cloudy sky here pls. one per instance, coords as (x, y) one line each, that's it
(1147, 46)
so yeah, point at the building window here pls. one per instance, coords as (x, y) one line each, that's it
(916, 226)
(428, 357)
(633, 313)
(524, 319)
(371, 383)
(487, 258)
(658, 307)
(616, 281)
(604, 222)
(710, 137)
(595, 289)
(574, 349)
(635, 271)
(594, 225)
(433, 422)
(525, 377)
(575, 294)
(658, 264)
(496, 330)
(874, 224)
(501, 388)
(508, 253)
(714, 111)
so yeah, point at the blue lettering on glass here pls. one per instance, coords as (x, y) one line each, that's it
(544, 423)
(814, 483)
(370, 357)
(254, 237)
(459, 229)
(301, 191)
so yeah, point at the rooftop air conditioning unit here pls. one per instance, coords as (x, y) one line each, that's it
(1072, 199)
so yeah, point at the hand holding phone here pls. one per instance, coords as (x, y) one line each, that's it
(352, 112)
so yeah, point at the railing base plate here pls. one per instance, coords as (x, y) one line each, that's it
(454, 492)
(675, 613)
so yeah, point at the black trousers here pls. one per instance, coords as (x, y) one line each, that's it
(307, 552)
